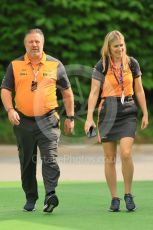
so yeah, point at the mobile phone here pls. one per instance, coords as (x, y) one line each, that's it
(91, 132)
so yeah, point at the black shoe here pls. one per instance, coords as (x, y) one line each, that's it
(130, 205)
(30, 206)
(50, 203)
(115, 205)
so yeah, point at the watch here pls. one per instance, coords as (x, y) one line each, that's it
(71, 118)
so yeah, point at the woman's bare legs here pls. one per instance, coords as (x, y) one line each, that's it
(127, 163)
(127, 170)
(110, 149)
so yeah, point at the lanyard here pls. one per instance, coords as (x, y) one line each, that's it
(35, 72)
(119, 80)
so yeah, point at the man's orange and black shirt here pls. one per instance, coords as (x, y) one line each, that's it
(51, 75)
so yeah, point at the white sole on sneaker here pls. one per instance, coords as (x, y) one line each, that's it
(51, 203)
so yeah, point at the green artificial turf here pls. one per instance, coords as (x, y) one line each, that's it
(83, 206)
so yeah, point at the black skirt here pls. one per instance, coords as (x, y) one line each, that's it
(117, 120)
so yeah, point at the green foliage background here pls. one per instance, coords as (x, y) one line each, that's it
(74, 32)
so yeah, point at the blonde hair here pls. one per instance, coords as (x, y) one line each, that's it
(105, 51)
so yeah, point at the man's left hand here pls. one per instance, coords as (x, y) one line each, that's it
(68, 126)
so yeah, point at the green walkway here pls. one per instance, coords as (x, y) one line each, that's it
(83, 206)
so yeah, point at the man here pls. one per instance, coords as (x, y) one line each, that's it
(35, 77)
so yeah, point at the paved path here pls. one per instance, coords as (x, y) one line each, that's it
(79, 162)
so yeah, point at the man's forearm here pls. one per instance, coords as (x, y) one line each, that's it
(6, 96)
(69, 105)
(68, 102)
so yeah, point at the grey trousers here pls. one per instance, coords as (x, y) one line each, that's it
(43, 132)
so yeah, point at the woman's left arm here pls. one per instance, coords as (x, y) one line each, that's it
(140, 95)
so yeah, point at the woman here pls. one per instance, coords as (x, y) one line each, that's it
(117, 77)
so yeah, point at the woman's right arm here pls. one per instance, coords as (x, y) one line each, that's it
(92, 101)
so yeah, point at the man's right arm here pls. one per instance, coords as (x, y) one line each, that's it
(7, 87)
(13, 116)
(6, 94)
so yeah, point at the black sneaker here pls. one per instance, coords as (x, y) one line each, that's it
(115, 205)
(130, 205)
(30, 206)
(50, 203)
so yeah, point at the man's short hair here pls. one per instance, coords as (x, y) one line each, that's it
(35, 30)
